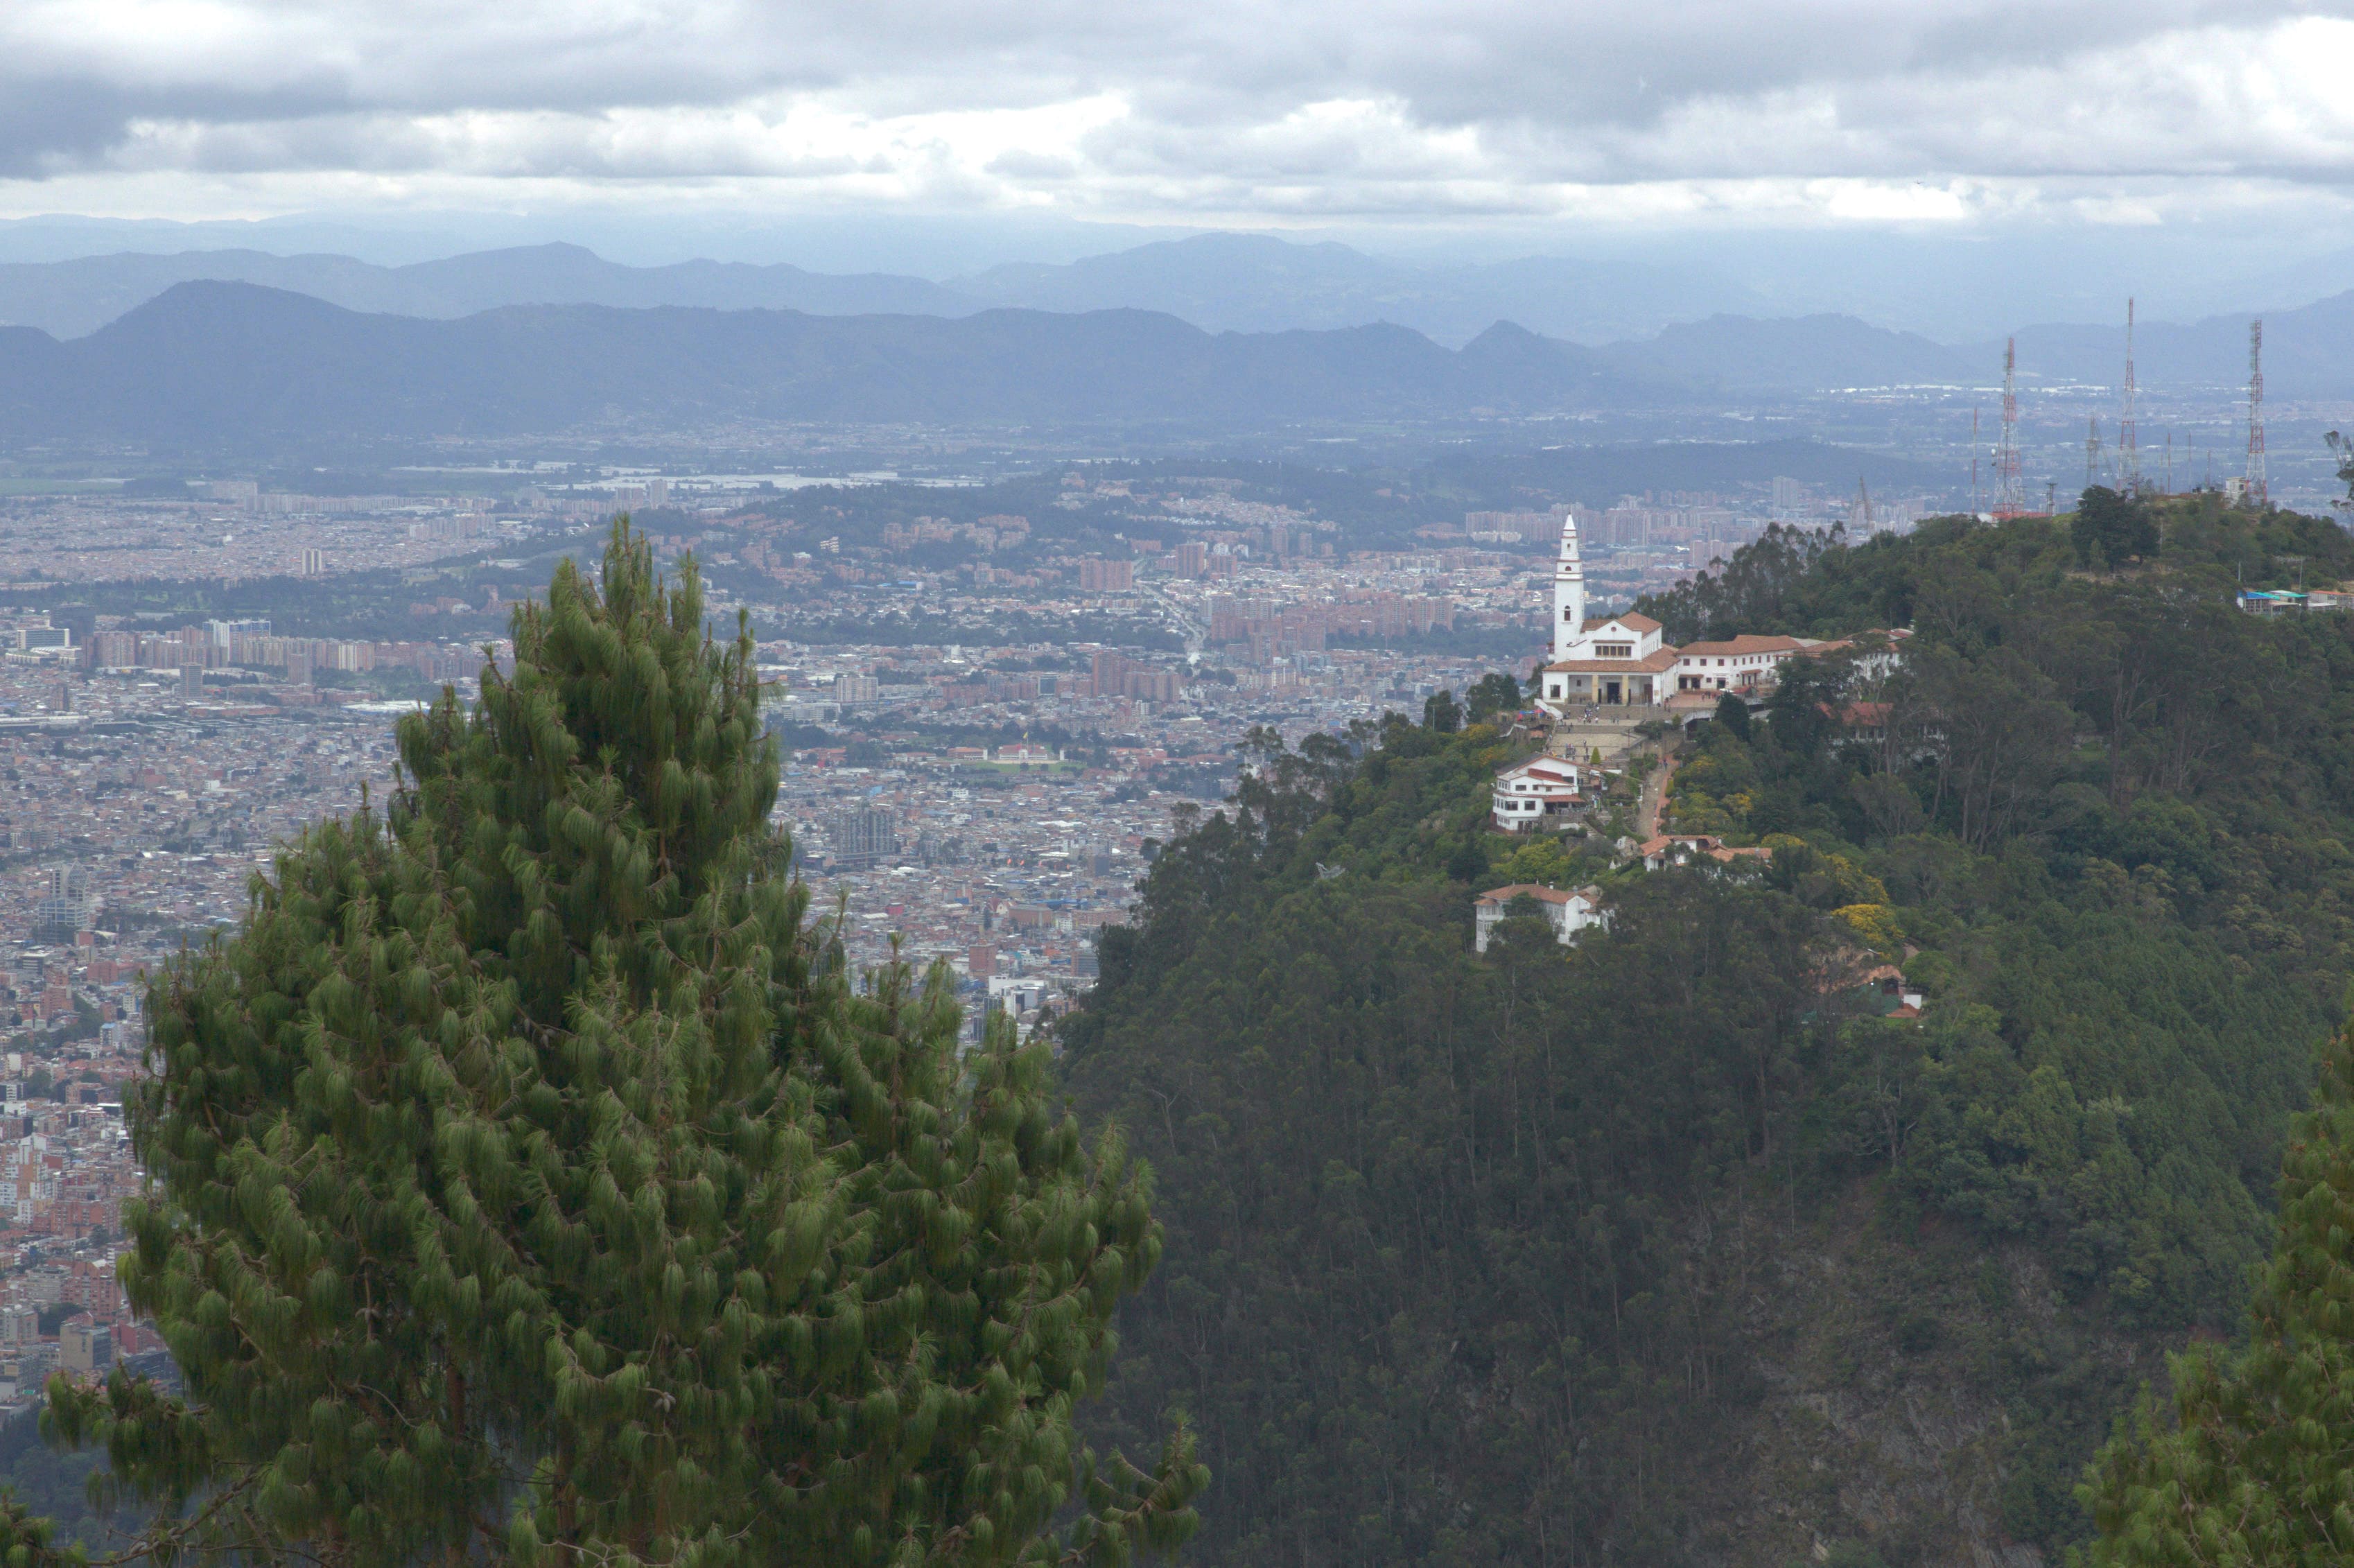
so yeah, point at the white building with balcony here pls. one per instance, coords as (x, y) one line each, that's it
(1537, 793)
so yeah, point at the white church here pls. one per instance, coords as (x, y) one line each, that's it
(1621, 661)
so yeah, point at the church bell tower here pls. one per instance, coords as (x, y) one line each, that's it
(1568, 592)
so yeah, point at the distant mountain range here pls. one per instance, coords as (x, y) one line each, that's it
(1224, 282)
(1797, 354)
(2308, 352)
(71, 299)
(1653, 327)
(1251, 283)
(213, 362)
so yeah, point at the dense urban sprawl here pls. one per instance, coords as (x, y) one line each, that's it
(990, 718)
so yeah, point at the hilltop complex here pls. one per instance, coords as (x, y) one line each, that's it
(1623, 661)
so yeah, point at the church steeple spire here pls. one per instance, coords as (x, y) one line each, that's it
(1568, 590)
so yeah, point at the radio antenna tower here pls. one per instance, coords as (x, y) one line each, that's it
(2093, 453)
(1864, 506)
(2128, 448)
(2007, 501)
(2169, 464)
(2255, 482)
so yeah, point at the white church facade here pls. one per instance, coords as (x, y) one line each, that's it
(1625, 660)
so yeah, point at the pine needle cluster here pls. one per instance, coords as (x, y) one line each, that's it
(2257, 1469)
(530, 1181)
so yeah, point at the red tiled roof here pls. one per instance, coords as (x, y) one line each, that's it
(1744, 643)
(1530, 889)
(1706, 841)
(1648, 664)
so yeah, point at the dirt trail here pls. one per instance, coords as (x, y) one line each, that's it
(1654, 797)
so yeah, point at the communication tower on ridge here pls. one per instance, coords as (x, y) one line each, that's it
(2256, 481)
(2008, 501)
(2093, 453)
(2128, 450)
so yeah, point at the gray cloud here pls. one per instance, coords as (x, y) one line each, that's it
(1936, 108)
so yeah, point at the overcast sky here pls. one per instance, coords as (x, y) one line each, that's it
(1397, 115)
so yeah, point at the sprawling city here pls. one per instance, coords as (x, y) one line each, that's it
(988, 799)
(880, 785)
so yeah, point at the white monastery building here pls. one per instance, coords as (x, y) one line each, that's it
(1622, 660)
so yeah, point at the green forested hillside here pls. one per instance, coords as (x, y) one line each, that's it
(1668, 1248)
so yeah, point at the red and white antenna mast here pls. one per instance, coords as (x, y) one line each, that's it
(2255, 482)
(2008, 502)
(2128, 452)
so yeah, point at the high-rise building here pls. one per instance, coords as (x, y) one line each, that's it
(862, 835)
(69, 904)
(85, 1347)
(225, 633)
(1108, 667)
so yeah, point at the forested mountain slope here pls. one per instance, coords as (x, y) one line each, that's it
(1667, 1247)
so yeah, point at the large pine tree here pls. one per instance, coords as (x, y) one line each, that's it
(2257, 1471)
(532, 1180)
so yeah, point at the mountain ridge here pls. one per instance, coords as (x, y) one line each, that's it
(1261, 283)
(206, 360)
(72, 299)
(1694, 332)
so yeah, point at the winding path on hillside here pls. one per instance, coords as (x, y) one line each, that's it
(1655, 796)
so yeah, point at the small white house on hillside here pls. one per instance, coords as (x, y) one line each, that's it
(1538, 793)
(1569, 913)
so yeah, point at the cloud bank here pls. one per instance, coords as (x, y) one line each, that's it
(1207, 112)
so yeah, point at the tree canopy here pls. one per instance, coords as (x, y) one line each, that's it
(2258, 1467)
(533, 1182)
(1527, 1257)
